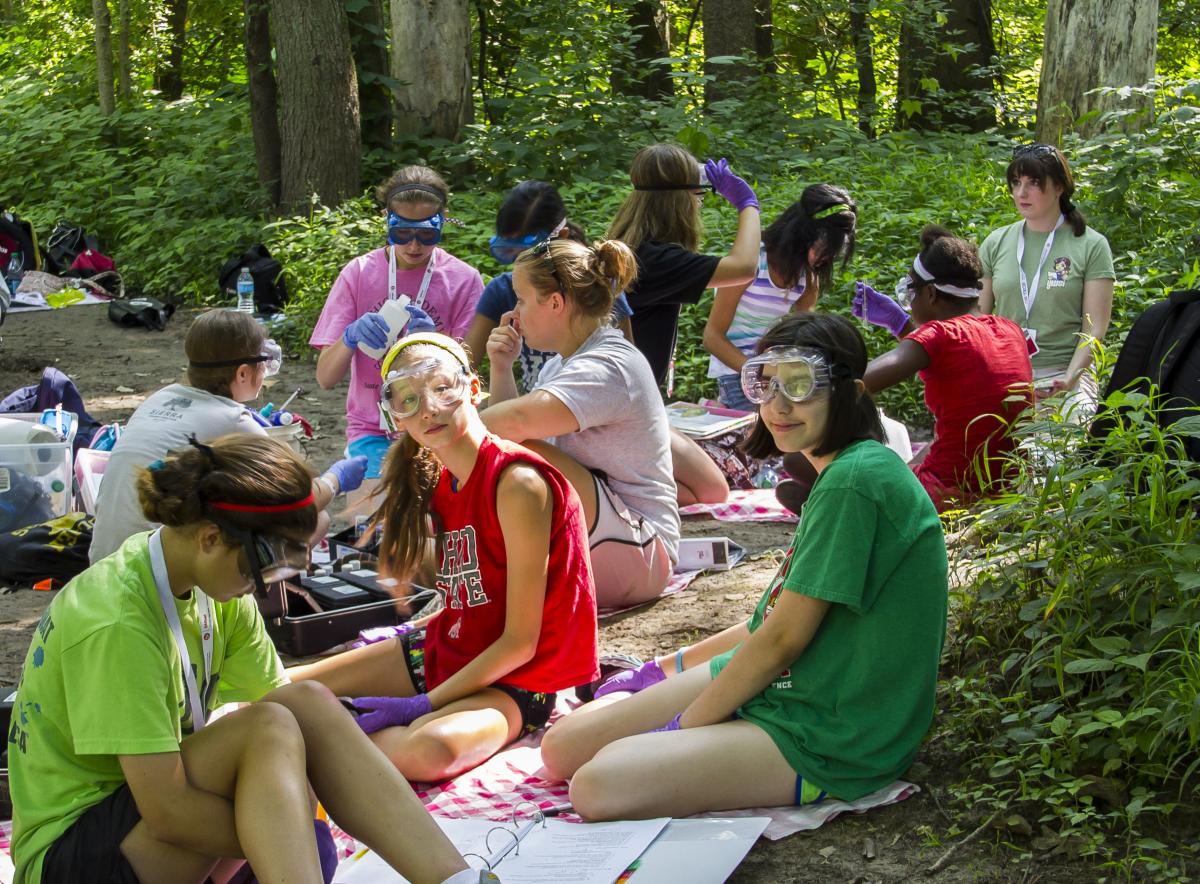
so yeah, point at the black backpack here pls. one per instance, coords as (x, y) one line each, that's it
(270, 288)
(1162, 348)
(25, 255)
(66, 243)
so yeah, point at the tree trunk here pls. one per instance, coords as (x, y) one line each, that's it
(864, 60)
(648, 19)
(1089, 44)
(953, 81)
(169, 76)
(368, 42)
(104, 61)
(730, 28)
(264, 120)
(320, 149)
(431, 57)
(124, 71)
(764, 34)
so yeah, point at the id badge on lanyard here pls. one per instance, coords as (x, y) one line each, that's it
(419, 300)
(162, 582)
(1028, 292)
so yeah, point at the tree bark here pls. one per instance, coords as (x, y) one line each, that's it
(764, 34)
(958, 75)
(264, 104)
(648, 19)
(867, 104)
(368, 42)
(1089, 44)
(320, 149)
(169, 77)
(730, 28)
(104, 60)
(431, 57)
(124, 69)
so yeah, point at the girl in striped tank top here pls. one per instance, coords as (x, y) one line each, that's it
(795, 260)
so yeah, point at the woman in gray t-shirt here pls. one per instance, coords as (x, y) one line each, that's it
(595, 412)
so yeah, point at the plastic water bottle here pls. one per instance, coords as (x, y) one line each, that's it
(245, 291)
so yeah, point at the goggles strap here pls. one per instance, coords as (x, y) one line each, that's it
(656, 188)
(438, 196)
(262, 508)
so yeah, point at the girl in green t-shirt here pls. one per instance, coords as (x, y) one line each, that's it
(829, 688)
(116, 772)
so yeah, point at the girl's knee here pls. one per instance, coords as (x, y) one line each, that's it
(423, 756)
(272, 725)
(595, 795)
(561, 750)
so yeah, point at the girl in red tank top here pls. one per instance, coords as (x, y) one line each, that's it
(511, 558)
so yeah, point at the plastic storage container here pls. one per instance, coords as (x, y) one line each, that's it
(35, 470)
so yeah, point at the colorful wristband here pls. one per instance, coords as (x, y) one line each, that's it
(679, 660)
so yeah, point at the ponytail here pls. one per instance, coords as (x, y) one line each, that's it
(1074, 216)
(410, 476)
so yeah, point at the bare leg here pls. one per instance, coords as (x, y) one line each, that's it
(577, 738)
(651, 775)
(255, 757)
(697, 477)
(363, 791)
(376, 670)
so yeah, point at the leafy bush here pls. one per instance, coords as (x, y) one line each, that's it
(1074, 681)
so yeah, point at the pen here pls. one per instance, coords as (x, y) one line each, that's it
(557, 809)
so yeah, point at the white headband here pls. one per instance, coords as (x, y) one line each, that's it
(926, 276)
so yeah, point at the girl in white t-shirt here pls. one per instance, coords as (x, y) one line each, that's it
(795, 260)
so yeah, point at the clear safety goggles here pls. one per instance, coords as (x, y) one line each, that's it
(506, 249)
(906, 287)
(797, 372)
(266, 558)
(426, 231)
(405, 390)
(271, 356)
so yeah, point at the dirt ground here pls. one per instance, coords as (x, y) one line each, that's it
(115, 368)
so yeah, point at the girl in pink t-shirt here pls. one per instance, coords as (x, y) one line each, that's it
(975, 366)
(442, 291)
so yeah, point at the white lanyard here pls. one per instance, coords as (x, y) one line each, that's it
(1028, 294)
(419, 301)
(158, 567)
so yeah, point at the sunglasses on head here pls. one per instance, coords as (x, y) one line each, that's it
(542, 250)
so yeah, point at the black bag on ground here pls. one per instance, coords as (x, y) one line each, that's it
(270, 288)
(147, 312)
(66, 243)
(1162, 348)
(57, 549)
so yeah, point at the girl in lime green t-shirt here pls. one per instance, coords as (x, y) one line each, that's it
(829, 688)
(116, 773)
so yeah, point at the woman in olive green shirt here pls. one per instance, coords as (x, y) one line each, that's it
(1049, 272)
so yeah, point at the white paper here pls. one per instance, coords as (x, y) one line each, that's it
(581, 853)
(699, 423)
(698, 851)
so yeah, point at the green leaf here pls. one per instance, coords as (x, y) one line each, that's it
(1079, 667)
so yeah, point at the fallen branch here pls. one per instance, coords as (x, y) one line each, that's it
(949, 854)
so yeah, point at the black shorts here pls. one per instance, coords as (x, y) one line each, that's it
(91, 849)
(535, 706)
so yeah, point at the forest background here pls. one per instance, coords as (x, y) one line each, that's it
(182, 131)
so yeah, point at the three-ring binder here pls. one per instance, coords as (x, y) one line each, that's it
(516, 834)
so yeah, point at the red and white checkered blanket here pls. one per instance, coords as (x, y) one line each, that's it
(753, 505)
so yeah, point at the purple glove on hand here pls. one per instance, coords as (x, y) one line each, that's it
(633, 680)
(376, 713)
(370, 329)
(349, 472)
(734, 189)
(420, 321)
(878, 309)
(672, 725)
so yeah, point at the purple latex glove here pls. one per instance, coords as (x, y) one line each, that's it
(672, 725)
(633, 680)
(370, 329)
(349, 472)
(376, 713)
(420, 321)
(740, 194)
(878, 309)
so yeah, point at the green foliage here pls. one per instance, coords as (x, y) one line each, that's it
(1074, 688)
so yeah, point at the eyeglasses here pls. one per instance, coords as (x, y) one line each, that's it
(266, 558)
(271, 356)
(1034, 150)
(506, 249)
(405, 390)
(402, 236)
(797, 372)
(542, 250)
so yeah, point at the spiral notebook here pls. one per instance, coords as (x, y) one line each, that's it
(536, 850)
(531, 850)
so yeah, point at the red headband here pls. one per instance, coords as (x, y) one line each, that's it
(262, 508)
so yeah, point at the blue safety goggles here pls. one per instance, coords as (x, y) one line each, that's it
(505, 249)
(426, 231)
